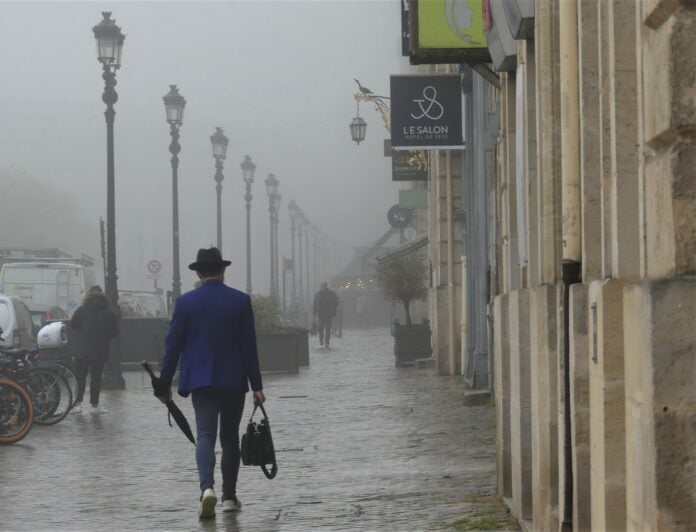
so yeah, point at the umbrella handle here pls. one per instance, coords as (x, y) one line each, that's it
(147, 368)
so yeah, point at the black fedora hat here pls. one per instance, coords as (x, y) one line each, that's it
(208, 257)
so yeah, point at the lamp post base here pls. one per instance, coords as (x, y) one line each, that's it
(112, 379)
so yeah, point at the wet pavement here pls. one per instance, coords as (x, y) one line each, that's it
(361, 445)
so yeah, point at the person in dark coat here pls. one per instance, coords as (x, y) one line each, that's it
(212, 332)
(325, 305)
(96, 325)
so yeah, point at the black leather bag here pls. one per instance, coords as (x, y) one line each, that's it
(257, 444)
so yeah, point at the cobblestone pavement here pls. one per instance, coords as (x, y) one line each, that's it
(362, 445)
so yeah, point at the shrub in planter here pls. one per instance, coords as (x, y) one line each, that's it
(281, 348)
(405, 279)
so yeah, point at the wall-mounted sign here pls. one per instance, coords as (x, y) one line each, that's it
(520, 15)
(409, 165)
(426, 112)
(501, 41)
(448, 31)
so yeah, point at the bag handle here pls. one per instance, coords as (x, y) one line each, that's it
(273, 473)
(257, 404)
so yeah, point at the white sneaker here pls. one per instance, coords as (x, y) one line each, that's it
(99, 410)
(77, 409)
(208, 502)
(231, 505)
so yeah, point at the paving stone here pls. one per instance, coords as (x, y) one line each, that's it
(361, 445)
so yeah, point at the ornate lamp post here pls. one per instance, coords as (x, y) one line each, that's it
(273, 198)
(315, 254)
(300, 277)
(248, 169)
(276, 260)
(293, 212)
(219, 143)
(109, 49)
(307, 227)
(174, 104)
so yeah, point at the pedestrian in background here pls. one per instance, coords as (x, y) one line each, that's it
(96, 325)
(325, 305)
(212, 331)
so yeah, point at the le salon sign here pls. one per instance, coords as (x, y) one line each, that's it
(426, 112)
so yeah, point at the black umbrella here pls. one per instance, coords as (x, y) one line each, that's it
(174, 411)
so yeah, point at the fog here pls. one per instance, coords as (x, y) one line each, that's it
(277, 76)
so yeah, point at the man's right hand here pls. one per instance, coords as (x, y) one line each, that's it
(259, 397)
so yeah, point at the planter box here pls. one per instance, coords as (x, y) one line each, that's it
(411, 342)
(283, 352)
(142, 339)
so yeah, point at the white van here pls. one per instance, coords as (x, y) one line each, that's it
(47, 283)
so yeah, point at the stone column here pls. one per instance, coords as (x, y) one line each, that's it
(501, 353)
(543, 312)
(607, 408)
(520, 404)
(660, 340)
(580, 407)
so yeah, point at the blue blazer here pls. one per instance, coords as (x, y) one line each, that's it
(212, 331)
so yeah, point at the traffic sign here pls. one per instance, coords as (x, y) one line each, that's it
(154, 266)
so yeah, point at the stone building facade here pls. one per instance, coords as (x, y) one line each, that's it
(594, 314)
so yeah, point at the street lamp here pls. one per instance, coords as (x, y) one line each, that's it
(273, 197)
(293, 212)
(307, 226)
(219, 143)
(358, 127)
(300, 277)
(109, 48)
(248, 169)
(174, 104)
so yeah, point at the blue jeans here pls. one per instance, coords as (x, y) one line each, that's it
(228, 405)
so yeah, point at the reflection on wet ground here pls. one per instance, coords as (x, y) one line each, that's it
(362, 445)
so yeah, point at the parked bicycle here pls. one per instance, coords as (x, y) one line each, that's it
(49, 390)
(16, 412)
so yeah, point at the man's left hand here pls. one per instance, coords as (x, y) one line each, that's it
(165, 398)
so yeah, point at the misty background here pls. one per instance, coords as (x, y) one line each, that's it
(276, 76)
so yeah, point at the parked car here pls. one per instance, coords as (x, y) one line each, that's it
(141, 304)
(16, 324)
(42, 314)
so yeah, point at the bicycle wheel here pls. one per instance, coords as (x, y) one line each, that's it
(50, 394)
(16, 412)
(66, 371)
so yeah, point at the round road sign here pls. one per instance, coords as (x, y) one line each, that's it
(154, 266)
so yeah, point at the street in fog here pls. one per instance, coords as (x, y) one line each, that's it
(361, 445)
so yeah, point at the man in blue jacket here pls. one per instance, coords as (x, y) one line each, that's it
(212, 331)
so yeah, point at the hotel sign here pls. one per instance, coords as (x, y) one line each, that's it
(426, 112)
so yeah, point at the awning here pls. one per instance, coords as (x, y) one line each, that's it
(405, 249)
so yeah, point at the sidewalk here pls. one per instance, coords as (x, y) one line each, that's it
(361, 445)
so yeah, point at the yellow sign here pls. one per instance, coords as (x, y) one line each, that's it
(450, 24)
